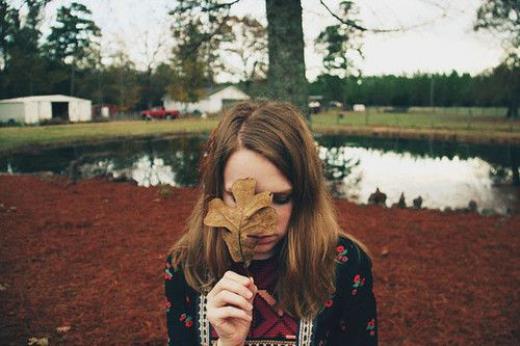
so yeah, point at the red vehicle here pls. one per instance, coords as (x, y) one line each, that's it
(159, 113)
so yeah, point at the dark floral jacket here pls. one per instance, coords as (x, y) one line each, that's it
(349, 317)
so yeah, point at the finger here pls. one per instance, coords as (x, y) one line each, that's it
(232, 312)
(226, 284)
(244, 280)
(224, 298)
(252, 287)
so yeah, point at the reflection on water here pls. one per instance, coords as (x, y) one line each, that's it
(440, 181)
(172, 161)
(151, 172)
(444, 174)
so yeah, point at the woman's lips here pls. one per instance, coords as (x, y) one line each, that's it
(265, 239)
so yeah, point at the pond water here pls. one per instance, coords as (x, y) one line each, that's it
(444, 174)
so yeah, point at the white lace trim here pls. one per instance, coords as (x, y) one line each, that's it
(304, 334)
(203, 321)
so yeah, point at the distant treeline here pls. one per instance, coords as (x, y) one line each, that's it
(118, 84)
(439, 90)
(123, 85)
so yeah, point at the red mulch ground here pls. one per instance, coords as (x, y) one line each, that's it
(90, 256)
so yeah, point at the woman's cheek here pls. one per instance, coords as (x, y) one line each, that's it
(228, 200)
(284, 213)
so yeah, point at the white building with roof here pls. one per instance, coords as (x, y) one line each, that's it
(33, 109)
(214, 101)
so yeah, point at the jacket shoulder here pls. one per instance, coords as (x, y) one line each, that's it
(351, 257)
(357, 255)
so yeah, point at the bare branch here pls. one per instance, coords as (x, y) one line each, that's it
(206, 6)
(344, 21)
(219, 6)
(208, 37)
(354, 25)
(434, 4)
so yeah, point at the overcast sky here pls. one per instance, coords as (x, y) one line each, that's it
(442, 38)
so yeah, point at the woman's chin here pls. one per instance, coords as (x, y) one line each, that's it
(265, 250)
(262, 255)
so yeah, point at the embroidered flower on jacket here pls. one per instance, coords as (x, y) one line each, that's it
(341, 254)
(329, 303)
(186, 319)
(167, 274)
(371, 326)
(358, 282)
(168, 305)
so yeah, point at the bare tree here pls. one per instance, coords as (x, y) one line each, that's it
(249, 44)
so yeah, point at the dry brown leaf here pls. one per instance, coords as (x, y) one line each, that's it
(62, 329)
(252, 216)
(38, 342)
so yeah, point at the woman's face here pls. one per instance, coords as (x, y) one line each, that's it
(245, 163)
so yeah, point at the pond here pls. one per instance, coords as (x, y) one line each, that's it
(444, 174)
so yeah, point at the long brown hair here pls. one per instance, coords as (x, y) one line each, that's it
(278, 132)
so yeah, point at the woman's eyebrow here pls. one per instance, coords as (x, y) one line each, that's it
(283, 191)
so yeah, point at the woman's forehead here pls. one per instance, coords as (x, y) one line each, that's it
(245, 163)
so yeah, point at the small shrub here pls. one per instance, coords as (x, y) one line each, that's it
(54, 121)
(10, 123)
(165, 190)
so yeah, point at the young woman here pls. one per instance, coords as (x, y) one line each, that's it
(308, 283)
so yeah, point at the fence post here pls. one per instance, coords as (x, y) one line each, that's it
(470, 116)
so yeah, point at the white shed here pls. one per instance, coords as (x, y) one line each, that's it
(33, 109)
(215, 100)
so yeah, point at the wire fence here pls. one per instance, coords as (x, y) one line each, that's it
(453, 118)
(126, 116)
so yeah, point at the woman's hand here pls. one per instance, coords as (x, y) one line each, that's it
(230, 308)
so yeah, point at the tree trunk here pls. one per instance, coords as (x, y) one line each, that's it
(72, 77)
(512, 109)
(286, 74)
(514, 166)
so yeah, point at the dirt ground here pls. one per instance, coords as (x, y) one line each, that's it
(89, 256)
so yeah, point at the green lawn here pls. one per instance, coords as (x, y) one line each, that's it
(463, 121)
(486, 123)
(15, 137)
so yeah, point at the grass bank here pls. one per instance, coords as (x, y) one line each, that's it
(465, 119)
(466, 127)
(441, 124)
(20, 138)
